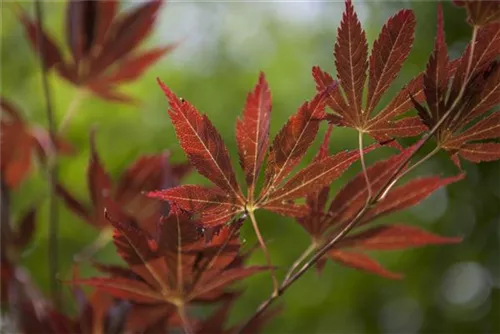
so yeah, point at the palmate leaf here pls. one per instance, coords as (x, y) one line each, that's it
(389, 52)
(208, 154)
(324, 221)
(173, 269)
(467, 88)
(102, 45)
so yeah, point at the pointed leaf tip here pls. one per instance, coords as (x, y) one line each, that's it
(202, 143)
(252, 130)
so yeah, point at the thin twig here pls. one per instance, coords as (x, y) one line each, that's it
(320, 253)
(312, 247)
(409, 169)
(265, 251)
(51, 165)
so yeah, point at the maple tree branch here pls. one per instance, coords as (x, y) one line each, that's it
(51, 165)
(72, 109)
(312, 247)
(265, 251)
(363, 166)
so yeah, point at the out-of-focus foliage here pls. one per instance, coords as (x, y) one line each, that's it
(223, 47)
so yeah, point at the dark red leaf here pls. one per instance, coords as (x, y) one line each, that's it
(177, 266)
(101, 40)
(74, 204)
(351, 53)
(288, 209)
(362, 262)
(437, 73)
(202, 143)
(211, 204)
(473, 91)
(81, 27)
(315, 176)
(408, 195)
(480, 152)
(389, 52)
(123, 288)
(352, 197)
(292, 142)
(132, 68)
(52, 55)
(106, 12)
(391, 237)
(335, 100)
(125, 34)
(252, 131)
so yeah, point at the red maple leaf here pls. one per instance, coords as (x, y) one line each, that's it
(102, 45)
(207, 153)
(389, 52)
(467, 88)
(18, 143)
(145, 174)
(177, 267)
(324, 221)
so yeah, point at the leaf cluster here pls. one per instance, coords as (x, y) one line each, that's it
(180, 244)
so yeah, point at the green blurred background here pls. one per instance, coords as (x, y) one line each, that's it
(447, 289)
